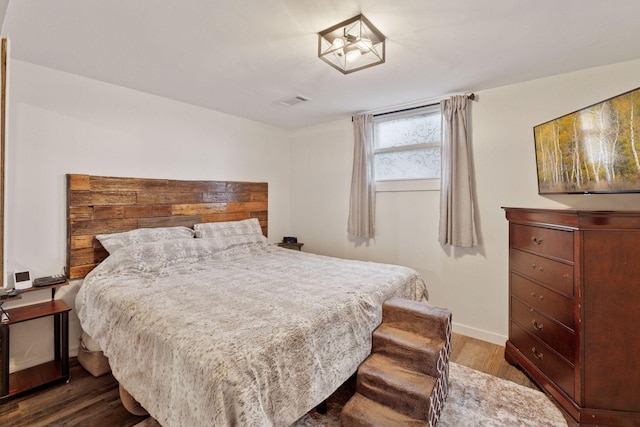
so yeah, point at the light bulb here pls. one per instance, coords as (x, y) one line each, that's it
(338, 43)
(337, 46)
(354, 54)
(365, 45)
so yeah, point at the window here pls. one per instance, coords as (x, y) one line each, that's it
(407, 148)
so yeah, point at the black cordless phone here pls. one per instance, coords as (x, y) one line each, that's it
(50, 280)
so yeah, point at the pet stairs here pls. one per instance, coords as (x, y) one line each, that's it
(405, 379)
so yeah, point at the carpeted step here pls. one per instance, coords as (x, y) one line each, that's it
(410, 350)
(405, 380)
(414, 316)
(405, 391)
(362, 412)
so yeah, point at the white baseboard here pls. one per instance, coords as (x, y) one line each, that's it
(479, 334)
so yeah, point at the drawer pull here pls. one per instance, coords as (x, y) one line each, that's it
(540, 297)
(537, 240)
(541, 269)
(536, 354)
(537, 326)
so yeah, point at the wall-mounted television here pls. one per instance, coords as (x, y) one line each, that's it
(592, 150)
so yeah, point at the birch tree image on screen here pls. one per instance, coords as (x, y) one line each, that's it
(592, 150)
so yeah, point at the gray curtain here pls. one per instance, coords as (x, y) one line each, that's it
(457, 216)
(363, 185)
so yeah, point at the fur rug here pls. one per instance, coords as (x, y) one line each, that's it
(475, 400)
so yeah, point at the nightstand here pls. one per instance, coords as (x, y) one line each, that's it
(55, 371)
(296, 246)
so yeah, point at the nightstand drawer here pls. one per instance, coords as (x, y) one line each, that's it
(553, 274)
(544, 300)
(544, 241)
(556, 335)
(559, 371)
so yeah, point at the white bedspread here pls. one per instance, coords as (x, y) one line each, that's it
(234, 331)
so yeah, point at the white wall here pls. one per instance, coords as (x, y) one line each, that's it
(60, 123)
(473, 283)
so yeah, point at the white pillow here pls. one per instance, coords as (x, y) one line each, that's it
(113, 242)
(249, 226)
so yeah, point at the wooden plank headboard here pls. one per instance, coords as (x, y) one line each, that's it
(101, 205)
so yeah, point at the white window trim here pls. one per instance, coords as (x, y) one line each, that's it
(432, 184)
(406, 147)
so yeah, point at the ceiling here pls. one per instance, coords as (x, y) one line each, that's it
(244, 56)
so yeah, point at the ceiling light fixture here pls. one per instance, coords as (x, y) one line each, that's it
(352, 45)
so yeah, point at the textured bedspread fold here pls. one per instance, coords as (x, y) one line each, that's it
(235, 331)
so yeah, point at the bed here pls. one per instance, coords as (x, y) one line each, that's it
(223, 328)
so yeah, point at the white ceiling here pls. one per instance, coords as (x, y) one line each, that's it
(243, 56)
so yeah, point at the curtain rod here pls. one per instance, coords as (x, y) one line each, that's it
(470, 96)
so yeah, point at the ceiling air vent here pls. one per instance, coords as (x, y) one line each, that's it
(298, 99)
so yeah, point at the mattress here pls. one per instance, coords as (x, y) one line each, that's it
(233, 330)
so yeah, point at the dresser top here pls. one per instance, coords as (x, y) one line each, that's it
(576, 219)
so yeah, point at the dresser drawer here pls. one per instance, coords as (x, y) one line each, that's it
(542, 299)
(556, 335)
(544, 241)
(553, 274)
(558, 371)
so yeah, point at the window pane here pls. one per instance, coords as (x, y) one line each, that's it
(418, 129)
(409, 164)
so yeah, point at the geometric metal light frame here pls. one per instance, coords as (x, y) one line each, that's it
(352, 45)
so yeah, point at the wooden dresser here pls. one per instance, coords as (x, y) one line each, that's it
(574, 310)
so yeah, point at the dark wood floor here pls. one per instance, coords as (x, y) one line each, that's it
(89, 401)
(83, 401)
